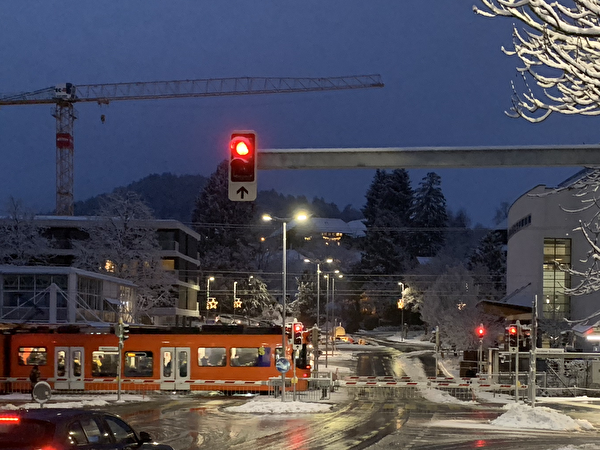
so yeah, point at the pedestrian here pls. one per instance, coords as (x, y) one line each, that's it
(34, 377)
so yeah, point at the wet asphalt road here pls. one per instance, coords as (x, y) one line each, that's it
(190, 423)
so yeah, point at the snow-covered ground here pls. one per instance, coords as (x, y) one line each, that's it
(516, 415)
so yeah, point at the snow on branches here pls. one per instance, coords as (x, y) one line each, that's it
(559, 51)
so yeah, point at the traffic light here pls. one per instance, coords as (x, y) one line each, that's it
(512, 337)
(125, 331)
(242, 166)
(480, 331)
(297, 328)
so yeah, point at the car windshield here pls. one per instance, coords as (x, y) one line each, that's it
(24, 432)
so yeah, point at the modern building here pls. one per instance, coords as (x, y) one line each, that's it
(63, 295)
(542, 236)
(179, 253)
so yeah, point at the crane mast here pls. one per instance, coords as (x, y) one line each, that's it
(65, 95)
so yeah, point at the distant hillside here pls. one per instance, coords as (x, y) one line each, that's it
(169, 196)
(173, 197)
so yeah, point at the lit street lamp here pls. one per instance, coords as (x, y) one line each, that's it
(208, 280)
(267, 217)
(319, 262)
(339, 275)
(401, 305)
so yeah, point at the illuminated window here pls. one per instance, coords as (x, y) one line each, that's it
(250, 357)
(168, 264)
(138, 364)
(211, 356)
(32, 356)
(557, 305)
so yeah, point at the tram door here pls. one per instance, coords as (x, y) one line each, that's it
(175, 368)
(68, 368)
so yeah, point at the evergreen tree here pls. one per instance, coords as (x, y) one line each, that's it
(488, 264)
(429, 216)
(385, 249)
(227, 239)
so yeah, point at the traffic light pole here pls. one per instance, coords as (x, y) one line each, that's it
(518, 323)
(532, 354)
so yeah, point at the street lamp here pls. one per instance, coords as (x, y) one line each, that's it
(401, 306)
(318, 262)
(339, 275)
(208, 280)
(268, 218)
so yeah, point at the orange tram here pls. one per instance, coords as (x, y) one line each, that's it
(214, 357)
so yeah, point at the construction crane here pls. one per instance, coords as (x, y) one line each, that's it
(64, 96)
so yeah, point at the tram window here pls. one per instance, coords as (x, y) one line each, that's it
(104, 364)
(211, 356)
(251, 357)
(32, 356)
(138, 364)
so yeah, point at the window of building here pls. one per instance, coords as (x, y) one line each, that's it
(90, 291)
(168, 264)
(556, 305)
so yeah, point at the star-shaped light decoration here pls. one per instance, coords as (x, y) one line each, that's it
(212, 303)
(237, 303)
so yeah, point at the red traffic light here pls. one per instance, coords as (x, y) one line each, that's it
(480, 331)
(512, 330)
(242, 157)
(298, 327)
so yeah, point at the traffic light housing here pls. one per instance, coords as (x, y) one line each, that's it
(512, 333)
(297, 329)
(480, 331)
(242, 166)
(125, 328)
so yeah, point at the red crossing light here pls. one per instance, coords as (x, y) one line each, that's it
(242, 157)
(512, 331)
(297, 333)
(480, 331)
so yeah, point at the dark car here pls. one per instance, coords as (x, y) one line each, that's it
(61, 429)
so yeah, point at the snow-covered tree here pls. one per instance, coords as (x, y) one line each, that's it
(21, 240)
(451, 302)
(559, 52)
(227, 238)
(428, 216)
(122, 244)
(488, 265)
(257, 302)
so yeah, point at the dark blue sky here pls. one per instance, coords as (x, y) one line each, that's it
(447, 83)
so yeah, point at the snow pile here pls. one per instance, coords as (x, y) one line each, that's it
(519, 415)
(262, 405)
(63, 401)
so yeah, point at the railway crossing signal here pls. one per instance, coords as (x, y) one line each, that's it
(242, 166)
(297, 328)
(480, 331)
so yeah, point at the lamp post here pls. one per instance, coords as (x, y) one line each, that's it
(318, 262)
(401, 306)
(339, 275)
(267, 217)
(208, 280)
(234, 299)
